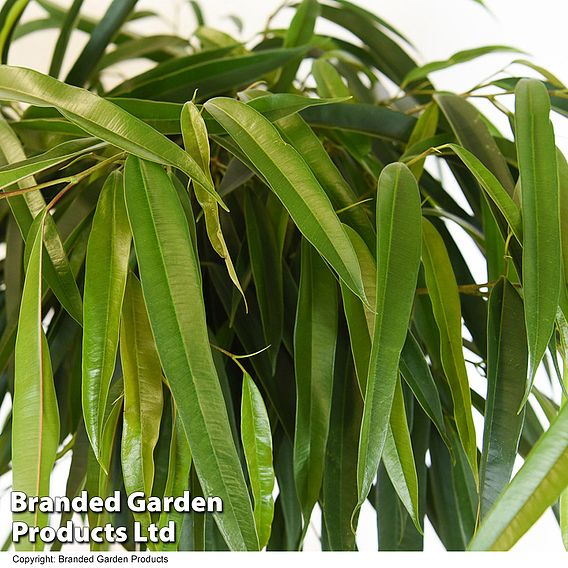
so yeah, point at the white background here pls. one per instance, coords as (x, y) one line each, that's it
(437, 28)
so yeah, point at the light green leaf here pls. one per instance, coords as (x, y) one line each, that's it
(257, 445)
(563, 204)
(35, 423)
(143, 400)
(196, 143)
(10, 15)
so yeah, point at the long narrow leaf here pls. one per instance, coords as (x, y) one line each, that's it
(171, 284)
(398, 261)
(541, 222)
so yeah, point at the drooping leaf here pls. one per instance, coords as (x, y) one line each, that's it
(101, 36)
(399, 459)
(99, 117)
(444, 295)
(196, 143)
(143, 400)
(456, 59)
(108, 247)
(315, 337)
(167, 262)
(293, 183)
(506, 372)
(35, 422)
(541, 222)
(25, 208)
(398, 261)
(257, 445)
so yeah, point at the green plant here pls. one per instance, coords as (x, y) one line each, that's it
(229, 270)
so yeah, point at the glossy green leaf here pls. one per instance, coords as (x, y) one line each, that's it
(541, 222)
(281, 105)
(109, 247)
(444, 295)
(315, 337)
(398, 261)
(168, 263)
(99, 117)
(368, 119)
(343, 198)
(35, 423)
(293, 183)
(143, 400)
(506, 372)
(257, 445)
(536, 486)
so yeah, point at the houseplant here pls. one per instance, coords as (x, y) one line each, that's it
(233, 272)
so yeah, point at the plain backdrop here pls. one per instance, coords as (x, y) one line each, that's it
(437, 28)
